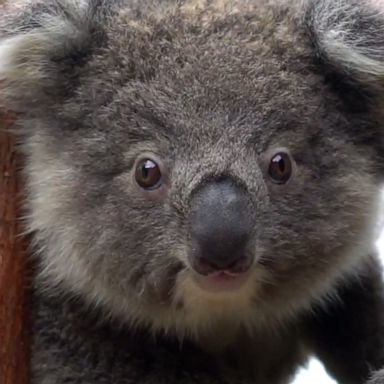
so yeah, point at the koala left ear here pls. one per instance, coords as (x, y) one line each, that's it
(348, 36)
(42, 46)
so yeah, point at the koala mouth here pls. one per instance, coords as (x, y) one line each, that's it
(219, 281)
(214, 277)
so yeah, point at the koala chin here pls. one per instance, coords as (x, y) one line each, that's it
(202, 187)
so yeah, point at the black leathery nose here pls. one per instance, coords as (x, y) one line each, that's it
(221, 227)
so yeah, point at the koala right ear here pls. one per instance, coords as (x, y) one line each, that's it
(348, 36)
(41, 48)
(347, 39)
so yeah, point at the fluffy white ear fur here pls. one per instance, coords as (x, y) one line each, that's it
(379, 4)
(9, 48)
(27, 70)
(356, 49)
(352, 57)
(24, 67)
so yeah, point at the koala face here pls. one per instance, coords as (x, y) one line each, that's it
(196, 163)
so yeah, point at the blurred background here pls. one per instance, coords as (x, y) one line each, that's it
(315, 373)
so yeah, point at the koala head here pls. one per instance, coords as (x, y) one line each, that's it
(195, 162)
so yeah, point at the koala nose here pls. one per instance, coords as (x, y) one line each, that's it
(221, 228)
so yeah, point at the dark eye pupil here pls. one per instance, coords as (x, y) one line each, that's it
(147, 169)
(280, 164)
(148, 174)
(280, 168)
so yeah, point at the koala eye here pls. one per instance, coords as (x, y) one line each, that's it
(148, 174)
(280, 168)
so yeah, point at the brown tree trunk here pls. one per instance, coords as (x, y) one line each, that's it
(14, 362)
(14, 359)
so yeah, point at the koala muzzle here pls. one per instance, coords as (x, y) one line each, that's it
(221, 228)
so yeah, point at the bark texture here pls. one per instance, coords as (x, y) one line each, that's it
(14, 362)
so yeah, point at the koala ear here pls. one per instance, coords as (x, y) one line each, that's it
(348, 36)
(42, 47)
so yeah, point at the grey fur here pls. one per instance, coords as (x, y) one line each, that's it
(210, 89)
(378, 378)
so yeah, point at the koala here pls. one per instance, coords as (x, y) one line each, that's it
(202, 187)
